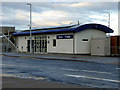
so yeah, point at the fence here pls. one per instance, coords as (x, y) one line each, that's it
(7, 45)
(115, 50)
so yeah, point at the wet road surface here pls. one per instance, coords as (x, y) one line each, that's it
(78, 73)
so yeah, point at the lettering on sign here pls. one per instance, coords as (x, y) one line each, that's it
(64, 36)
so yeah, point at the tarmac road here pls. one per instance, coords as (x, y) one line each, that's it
(78, 73)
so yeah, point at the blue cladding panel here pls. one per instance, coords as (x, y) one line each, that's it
(94, 26)
(64, 36)
(77, 29)
(45, 31)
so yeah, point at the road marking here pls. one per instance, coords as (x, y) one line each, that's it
(79, 76)
(70, 69)
(86, 71)
(96, 71)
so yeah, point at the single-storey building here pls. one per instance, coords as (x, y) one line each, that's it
(73, 40)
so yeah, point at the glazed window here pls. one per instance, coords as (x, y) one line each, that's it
(48, 37)
(54, 42)
(48, 42)
(85, 40)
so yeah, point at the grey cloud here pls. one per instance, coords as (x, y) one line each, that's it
(21, 6)
(95, 6)
(44, 6)
(15, 5)
(75, 13)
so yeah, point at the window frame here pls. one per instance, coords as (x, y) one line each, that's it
(85, 40)
(54, 42)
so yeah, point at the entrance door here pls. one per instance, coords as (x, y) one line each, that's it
(44, 44)
(98, 47)
(34, 45)
(39, 45)
(28, 45)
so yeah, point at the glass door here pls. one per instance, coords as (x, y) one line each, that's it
(28, 45)
(45, 44)
(37, 46)
(40, 45)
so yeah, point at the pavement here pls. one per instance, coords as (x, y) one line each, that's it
(10, 82)
(66, 57)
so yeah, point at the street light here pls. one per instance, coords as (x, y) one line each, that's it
(108, 12)
(30, 28)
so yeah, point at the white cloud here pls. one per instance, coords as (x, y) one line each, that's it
(21, 14)
(49, 18)
(80, 4)
(37, 24)
(66, 22)
(61, 1)
(101, 17)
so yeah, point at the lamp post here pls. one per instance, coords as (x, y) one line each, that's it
(30, 28)
(108, 12)
(108, 17)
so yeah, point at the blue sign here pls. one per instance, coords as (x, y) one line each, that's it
(64, 36)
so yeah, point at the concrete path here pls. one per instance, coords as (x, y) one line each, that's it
(66, 57)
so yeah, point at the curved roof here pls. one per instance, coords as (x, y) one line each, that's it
(76, 29)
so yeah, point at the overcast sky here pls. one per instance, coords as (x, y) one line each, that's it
(51, 14)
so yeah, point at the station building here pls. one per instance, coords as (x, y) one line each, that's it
(72, 40)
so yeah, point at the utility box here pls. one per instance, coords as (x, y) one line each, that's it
(100, 46)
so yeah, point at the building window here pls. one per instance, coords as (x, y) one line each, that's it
(25, 37)
(48, 37)
(85, 40)
(48, 42)
(54, 42)
(40, 37)
(35, 37)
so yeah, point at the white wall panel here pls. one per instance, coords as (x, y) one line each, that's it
(83, 47)
(62, 45)
(50, 48)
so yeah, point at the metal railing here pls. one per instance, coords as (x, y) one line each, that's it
(7, 49)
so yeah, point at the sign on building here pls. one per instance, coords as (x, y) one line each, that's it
(64, 36)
